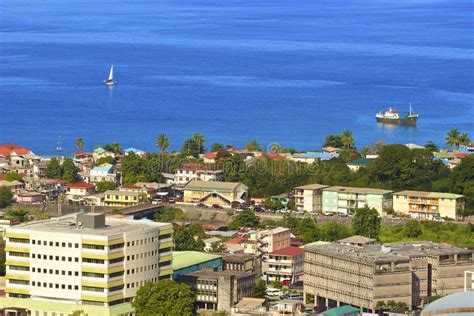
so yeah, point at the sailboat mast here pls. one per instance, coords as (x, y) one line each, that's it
(111, 74)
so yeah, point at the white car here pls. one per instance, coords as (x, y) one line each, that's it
(273, 292)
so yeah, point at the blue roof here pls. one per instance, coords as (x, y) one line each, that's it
(360, 162)
(134, 150)
(105, 167)
(342, 310)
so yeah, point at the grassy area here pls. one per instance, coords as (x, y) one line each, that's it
(451, 233)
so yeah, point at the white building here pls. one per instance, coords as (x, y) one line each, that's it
(285, 264)
(59, 266)
(105, 172)
(192, 171)
(308, 198)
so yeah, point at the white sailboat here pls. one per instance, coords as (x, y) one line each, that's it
(110, 81)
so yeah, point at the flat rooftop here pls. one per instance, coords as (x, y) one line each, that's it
(341, 189)
(67, 224)
(237, 257)
(314, 186)
(397, 252)
(435, 195)
(184, 259)
(215, 274)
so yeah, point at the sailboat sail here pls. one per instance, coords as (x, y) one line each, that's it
(111, 74)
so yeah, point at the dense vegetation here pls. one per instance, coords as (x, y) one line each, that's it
(66, 171)
(164, 297)
(6, 196)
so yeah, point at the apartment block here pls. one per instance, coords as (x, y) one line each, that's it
(285, 265)
(117, 198)
(427, 205)
(193, 171)
(83, 262)
(364, 274)
(309, 198)
(345, 200)
(265, 241)
(219, 290)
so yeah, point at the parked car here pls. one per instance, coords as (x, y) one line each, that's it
(273, 292)
(295, 296)
(217, 206)
(285, 282)
(258, 209)
(328, 213)
(342, 214)
(320, 308)
(202, 205)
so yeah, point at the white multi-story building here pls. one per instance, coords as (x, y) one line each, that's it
(285, 264)
(308, 198)
(193, 171)
(72, 263)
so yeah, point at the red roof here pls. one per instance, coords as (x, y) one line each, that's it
(82, 153)
(8, 149)
(80, 185)
(237, 240)
(461, 155)
(290, 251)
(274, 156)
(210, 155)
(193, 166)
(208, 227)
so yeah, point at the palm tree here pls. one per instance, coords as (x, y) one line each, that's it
(162, 142)
(464, 139)
(452, 138)
(79, 142)
(347, 139)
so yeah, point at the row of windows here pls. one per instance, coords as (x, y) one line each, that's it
(142, 255)
(143, 241)
(142, 269)
(138, 284)
(58, 272)
(54, 285)
(52, 243)
(51, 257)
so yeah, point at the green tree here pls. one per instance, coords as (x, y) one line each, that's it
(200, 141)
(163, 298)
(113, 147)
(333, 140)
(79, 143)
(452, 138)
(246, 218)
(430, 146)
(189, 238)
(253, 145)
(190, 148)
(223, 154)
(273, 205)
(106, 159)
(69, 170)
(412, 229)
(366, 222)
(16, 214)
(332, 231)
(260, 289)
(103, 186)
(464, 139)
(13, 176)
(162, 142)
(216, 147)
(6, 196)
(53, 169)
(170, 214)
(347, 139)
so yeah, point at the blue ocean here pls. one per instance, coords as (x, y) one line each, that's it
(280, 71)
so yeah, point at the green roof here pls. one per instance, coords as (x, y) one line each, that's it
(183, 259)
(342, 310)
(99, 150)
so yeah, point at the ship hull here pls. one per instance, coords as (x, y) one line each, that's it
(398, 121)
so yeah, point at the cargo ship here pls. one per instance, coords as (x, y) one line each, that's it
(391, 116)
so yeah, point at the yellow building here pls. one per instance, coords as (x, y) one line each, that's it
(212, 192)
(123, 198)
(427, 205)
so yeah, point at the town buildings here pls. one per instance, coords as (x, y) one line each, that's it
(213, 192)
(84, 262)
(219, 290)
(193, 171)
(76, 192)
(345, 200)
(308, 198)
(104, 172)
(285, 264)
(428, 205)
(365, 273)
(117, 198)
(264, 241)
(242, 262)
(185, 262)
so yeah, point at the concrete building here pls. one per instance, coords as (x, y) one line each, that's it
(213, 192)
(104, 172)
(118, 198)
(427, 205)
(344, 200)
(219, 290)
(364, 274)
(185, 262)
(265, 241)
(285, 264)
(308, 198)
(75, 192)
(83, 262)
(193, 171)
(242, 262)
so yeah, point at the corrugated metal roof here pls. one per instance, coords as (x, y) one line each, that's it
(183, 259)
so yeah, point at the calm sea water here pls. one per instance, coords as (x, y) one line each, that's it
(278, 71)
